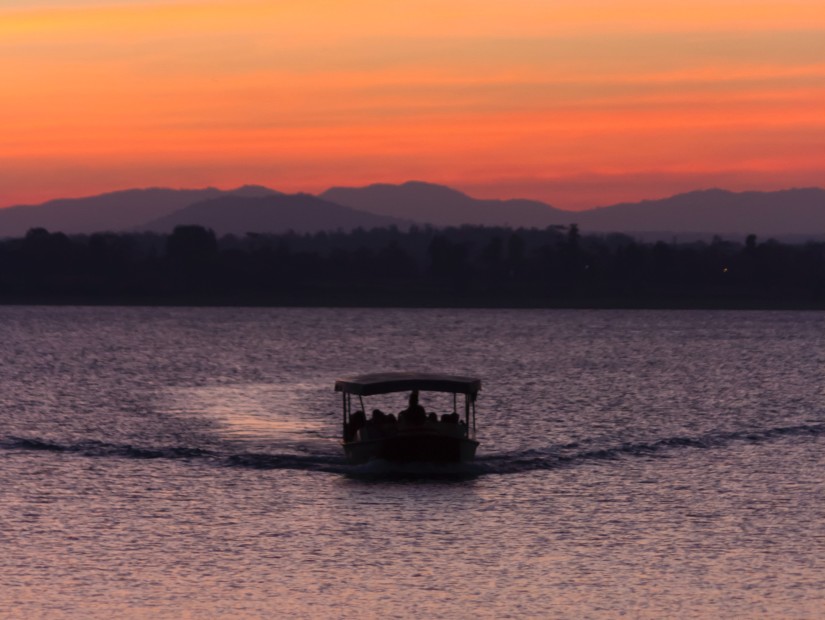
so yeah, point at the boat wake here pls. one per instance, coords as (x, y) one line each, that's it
(572, 454)
(552, 457)
(102, 449)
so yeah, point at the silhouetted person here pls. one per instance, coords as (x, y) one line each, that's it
(356, 421)
(414, 413)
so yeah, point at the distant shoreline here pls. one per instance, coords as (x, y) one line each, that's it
(455, 268)
(298, 302)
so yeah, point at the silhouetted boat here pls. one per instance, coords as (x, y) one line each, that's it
(413, 436)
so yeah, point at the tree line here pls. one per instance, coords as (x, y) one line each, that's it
(466, 266)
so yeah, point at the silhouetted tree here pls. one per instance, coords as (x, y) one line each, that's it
(424, 265)
(447, 259)
(192, 244)
(492, 259)
(193, 254)
(515, 255)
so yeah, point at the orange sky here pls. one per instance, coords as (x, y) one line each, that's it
(578, 103)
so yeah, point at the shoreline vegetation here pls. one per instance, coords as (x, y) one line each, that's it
(466, 267)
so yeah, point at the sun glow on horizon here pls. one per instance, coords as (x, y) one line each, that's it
(578, 104)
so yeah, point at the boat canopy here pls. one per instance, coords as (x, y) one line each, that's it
(387, 382)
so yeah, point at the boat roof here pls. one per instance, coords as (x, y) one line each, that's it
(387, 382)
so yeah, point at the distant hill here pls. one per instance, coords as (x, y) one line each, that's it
(716, 211)
(442, 206)
(280, 213)
(793, 214)
(114, 211)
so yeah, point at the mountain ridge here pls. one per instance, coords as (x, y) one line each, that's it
(111, 211)
(790, 212)
(300, 213)
(781, 212)
(440, 205)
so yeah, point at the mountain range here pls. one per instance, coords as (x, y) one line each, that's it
(276, 213)
(114, 211)
(792, 212)
(780, 213)
(442, 206)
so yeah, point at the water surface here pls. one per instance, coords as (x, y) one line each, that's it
(185, 463)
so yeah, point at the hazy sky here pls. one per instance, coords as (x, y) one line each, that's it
(576, 102)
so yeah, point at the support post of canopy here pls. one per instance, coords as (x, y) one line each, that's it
(474, 413)
(344, 401)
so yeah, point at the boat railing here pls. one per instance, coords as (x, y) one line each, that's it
(371, 430)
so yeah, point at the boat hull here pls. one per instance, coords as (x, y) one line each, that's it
(405, 448)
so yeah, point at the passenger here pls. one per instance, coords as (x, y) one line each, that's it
(414, 414)
(418, 416)
(390, 418)
(357, 421)
(378, 416)
(432, 417)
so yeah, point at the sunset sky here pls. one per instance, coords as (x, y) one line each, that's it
(579, 103)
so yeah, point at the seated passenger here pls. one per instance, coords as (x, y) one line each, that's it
(418, 416)
(414, 414)
(432, 417)
(357, 421)
(413, 401)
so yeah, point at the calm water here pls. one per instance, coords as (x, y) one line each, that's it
(184, 463)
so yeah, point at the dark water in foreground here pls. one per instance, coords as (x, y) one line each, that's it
(184, 463)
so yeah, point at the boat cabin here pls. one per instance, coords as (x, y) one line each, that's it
(413, 434)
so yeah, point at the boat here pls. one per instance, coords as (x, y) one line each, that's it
(414, 435)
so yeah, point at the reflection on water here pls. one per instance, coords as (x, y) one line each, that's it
(252, 411)
(185, 462)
